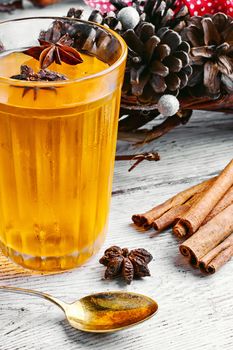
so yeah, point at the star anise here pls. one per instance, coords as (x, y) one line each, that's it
(58, 52)
(129, 264)
(27, 73)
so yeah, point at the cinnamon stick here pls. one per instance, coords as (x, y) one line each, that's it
(208, 236)
(146, 219)
(168, 218)
(191, 220)
(172, 216)
(226, 200)
(218, 256)
(178, 229)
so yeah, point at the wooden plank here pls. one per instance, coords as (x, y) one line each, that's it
(182, 150)
(195, 311)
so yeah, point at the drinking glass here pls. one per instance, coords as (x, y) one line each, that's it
(57, 150)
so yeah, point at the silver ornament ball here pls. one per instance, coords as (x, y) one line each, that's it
(168, 105)
(129, 17)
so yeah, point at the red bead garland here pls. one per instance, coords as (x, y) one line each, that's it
(196, 7)
(202, 7)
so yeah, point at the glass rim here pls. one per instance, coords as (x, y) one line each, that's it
(99, 74)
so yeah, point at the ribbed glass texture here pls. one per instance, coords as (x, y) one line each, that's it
(56, 166)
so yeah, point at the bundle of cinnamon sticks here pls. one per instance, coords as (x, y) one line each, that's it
(204, 214)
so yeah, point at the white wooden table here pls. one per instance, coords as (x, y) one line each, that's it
(195, 312)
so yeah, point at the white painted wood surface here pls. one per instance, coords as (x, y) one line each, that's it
(195, 312)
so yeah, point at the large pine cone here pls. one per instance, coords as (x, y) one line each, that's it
(163, 14)
(158, 12)
(158, 60)
(211, 39)
(157, 63)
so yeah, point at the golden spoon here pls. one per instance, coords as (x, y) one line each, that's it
(101, 312)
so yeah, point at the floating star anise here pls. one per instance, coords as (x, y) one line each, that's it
(58, 52)
(27, 73)
(129, 264)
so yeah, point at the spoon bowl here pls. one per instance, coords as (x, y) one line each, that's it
(101, 312)
(110, 311)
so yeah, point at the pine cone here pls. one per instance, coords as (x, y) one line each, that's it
(211, 39)
(157, 63)
(158, 60)
(158, 12)
(109, 19)
(162, 14)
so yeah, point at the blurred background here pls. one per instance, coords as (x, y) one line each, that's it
(59, 9)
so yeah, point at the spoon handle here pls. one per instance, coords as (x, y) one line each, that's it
(36, 293)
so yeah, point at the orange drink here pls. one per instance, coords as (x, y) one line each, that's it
(57, 149)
